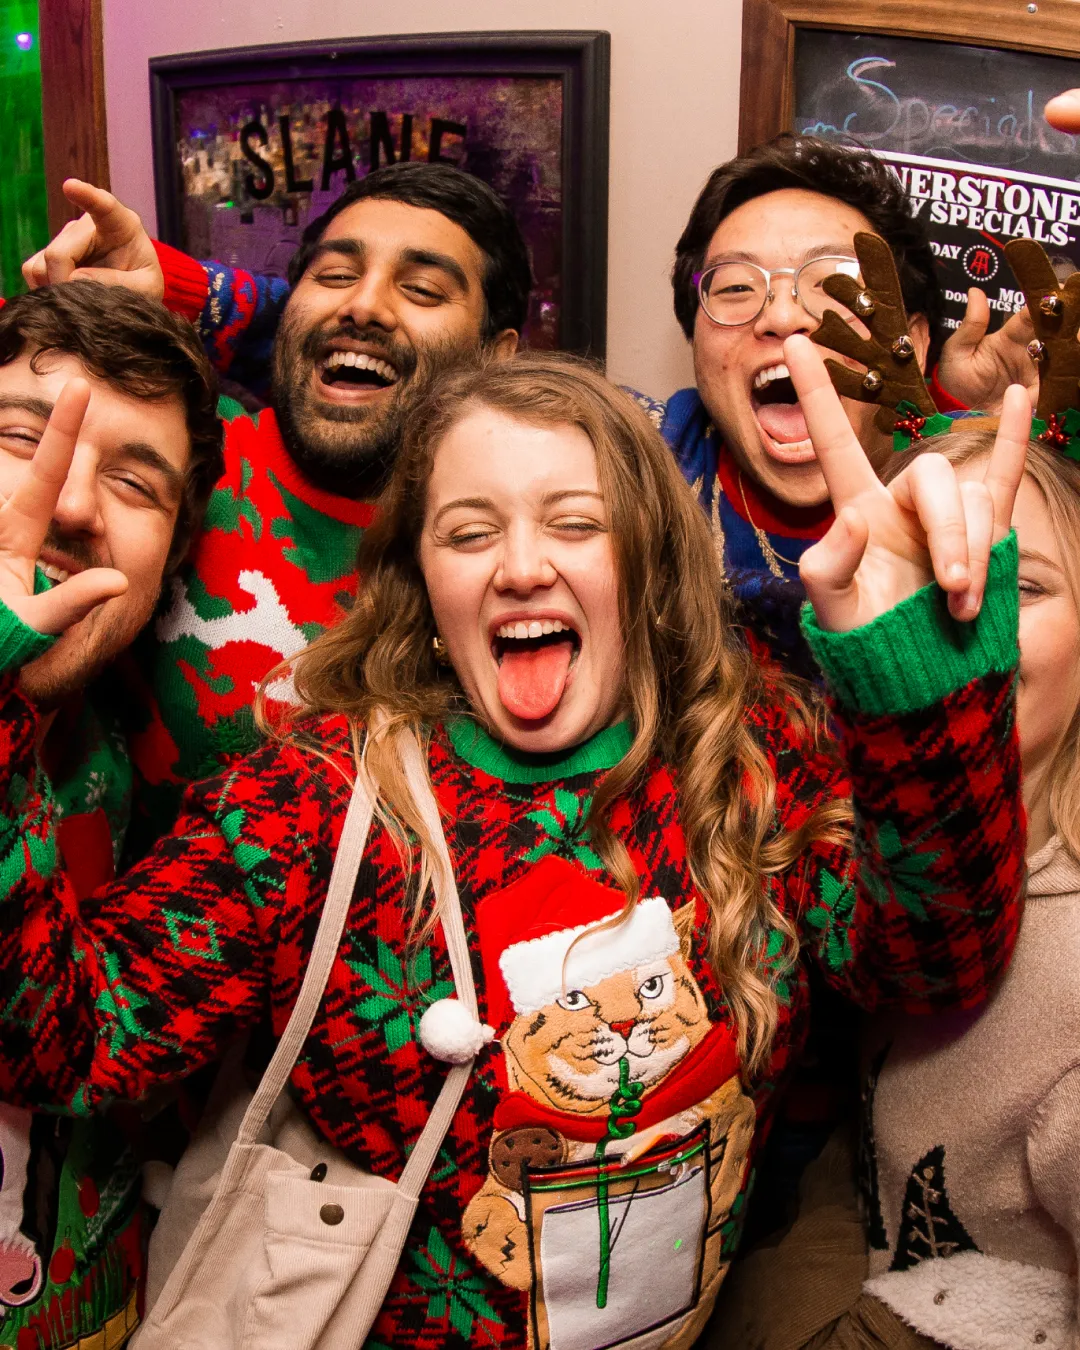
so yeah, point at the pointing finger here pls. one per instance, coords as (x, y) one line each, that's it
(111, 219)
(843, 461)
(1006, 465)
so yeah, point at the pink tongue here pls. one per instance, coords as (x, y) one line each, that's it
(784, 422)
(532, 680)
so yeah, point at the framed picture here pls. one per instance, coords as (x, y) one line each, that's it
(251, 144)
(951, 97)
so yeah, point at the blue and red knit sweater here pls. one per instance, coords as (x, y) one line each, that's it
(211, 934)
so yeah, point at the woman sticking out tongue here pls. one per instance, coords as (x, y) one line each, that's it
(526, 546)
(532, 678)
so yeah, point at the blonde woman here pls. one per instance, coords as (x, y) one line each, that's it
(970, 1164)
(650, 840)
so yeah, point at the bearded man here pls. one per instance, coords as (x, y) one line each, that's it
(414, 265)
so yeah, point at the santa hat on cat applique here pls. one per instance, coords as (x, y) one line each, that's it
(527, 931)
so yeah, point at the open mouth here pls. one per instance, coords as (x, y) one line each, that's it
(352, 370)
(55, 572)
(779, 415)
(535, 657)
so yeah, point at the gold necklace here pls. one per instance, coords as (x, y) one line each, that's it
(773, 559)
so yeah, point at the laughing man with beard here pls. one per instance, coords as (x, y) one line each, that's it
(414, 265)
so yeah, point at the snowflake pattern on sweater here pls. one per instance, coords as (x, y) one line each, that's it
(212, 933)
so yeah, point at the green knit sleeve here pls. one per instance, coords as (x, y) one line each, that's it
(19, 643)
(917, 653)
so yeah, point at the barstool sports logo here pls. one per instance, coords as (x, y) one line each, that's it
(971, 212)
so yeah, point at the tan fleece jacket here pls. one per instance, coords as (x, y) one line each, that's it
(974, 1211)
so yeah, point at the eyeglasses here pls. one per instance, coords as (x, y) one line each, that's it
(734, 293)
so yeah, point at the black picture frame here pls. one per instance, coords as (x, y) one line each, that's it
(581, 59)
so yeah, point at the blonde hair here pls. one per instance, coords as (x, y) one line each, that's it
(689, 677)
(1058, 482)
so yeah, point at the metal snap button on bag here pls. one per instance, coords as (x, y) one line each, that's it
(271, 1239)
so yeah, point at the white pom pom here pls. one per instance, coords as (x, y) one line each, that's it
(449, 1032)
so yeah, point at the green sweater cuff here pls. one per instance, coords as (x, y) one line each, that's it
(917, 653)
(19, 643)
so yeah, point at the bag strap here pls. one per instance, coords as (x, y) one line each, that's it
(328, 940)
(350, 850)
(425, 1150)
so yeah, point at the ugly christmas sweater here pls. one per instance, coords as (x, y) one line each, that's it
(592, 1188)
(71, 1222)
(272, 568)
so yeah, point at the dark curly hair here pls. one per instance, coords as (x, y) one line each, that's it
(469, 203)
(855, 177)
(135, 345)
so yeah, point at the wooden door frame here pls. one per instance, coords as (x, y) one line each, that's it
(72, 99)
(767, 85)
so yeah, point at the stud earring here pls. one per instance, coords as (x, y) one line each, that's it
(438, 646)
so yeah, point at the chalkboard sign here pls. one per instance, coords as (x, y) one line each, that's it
(952, 97)
(963, 129)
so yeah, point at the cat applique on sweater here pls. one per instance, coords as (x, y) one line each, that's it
(624, 1132)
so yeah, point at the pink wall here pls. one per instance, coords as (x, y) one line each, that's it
(674, 115)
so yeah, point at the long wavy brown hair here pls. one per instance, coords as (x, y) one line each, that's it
(689, 676)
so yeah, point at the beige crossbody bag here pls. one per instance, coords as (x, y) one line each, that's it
(297, 1246)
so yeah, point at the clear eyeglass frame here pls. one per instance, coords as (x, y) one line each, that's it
(850, 268)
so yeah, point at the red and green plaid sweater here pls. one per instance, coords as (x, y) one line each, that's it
(211, 934)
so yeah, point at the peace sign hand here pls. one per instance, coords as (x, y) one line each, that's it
(889, 542)
(24, 523)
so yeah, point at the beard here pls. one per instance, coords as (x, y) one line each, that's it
(81, 653)
(349, 449)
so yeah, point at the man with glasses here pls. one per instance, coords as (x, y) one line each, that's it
(764, 234)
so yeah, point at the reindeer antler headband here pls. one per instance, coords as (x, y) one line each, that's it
(1055, 316)
(892, 378)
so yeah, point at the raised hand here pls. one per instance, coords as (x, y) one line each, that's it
(107, 243)
(888, 542)
(977, 367)
(24, 523)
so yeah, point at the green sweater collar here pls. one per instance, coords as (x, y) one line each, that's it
(472, 743)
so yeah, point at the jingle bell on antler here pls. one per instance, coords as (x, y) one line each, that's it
(893, 378)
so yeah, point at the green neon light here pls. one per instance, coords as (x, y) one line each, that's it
(24, 219)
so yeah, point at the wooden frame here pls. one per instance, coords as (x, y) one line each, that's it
(580, 59)
(766, 100)
(73, 99)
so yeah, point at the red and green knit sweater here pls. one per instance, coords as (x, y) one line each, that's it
(71, 1239)
(274, 565)
(623, 1098)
